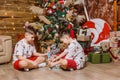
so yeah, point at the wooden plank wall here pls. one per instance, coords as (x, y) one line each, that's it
(13, 15)
(101, 9)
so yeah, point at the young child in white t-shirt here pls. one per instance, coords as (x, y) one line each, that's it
(25, 55)
(72, 57)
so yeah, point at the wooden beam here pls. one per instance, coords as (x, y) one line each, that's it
(115, 16)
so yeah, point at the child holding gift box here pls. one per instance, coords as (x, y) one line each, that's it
(72, 57)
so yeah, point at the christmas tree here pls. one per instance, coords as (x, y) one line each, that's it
(53, 16)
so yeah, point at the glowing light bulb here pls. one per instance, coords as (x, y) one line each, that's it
(14, 28)
(12, 16)
(5, 13)
(12, 23)
(4, 26)
(35, 16)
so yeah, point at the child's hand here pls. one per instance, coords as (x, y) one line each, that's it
(50, 64)
(54, 56)
(45, 54)
(41, 54)
(53, 60)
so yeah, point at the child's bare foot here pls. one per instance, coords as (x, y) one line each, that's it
(42, 65)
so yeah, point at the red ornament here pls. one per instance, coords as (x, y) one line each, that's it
(69, 26)
(50, 29)
(72, 33)
(61, 1)
(50, 11)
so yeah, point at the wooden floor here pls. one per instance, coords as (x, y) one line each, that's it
(109, 71)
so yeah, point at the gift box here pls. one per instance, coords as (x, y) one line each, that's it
(106, 58)
(83, 38)
(89, 57)
(97, 58)
(113, 34)
(94, 58)
(84, 32)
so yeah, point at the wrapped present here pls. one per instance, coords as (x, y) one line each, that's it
(84, 32)
(94, 58)
(89, 57)
(83, 38)
(115, 33)
(106, 58)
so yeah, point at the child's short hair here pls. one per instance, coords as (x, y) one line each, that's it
(65, 32)
(30, 30)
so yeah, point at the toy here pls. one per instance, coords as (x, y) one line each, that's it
(49, 53)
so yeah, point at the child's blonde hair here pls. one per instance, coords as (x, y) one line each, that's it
(31, 30)
(65, 32)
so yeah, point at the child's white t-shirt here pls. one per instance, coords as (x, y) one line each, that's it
(24, 49)
(76, 53)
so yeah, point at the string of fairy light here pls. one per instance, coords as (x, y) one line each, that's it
(12, 23)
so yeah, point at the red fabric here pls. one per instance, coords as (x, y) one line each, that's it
(72, 33)
(103, 35)
(71, 64)
(16, 63)
(69, 26)
(61, 1)
(33, 58)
